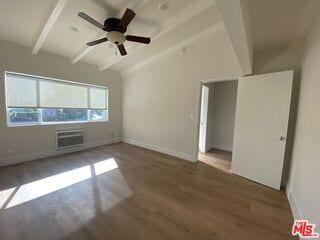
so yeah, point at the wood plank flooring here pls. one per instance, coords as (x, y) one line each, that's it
(125, 192)
(217, 158)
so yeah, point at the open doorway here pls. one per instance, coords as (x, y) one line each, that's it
(217, 117)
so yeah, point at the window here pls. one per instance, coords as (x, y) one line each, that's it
(20, 116)
(34, 100)
(64, 115)
(98, 115)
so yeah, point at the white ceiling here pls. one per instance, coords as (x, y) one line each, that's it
(191, 30)
(276, 23)
(23, 22)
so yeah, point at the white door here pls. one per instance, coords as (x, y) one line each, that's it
(203, 118)
(262, 114)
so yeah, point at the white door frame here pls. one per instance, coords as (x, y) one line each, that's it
(203, 119)
(198, 110)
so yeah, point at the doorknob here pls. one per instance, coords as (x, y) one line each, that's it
(281, 138)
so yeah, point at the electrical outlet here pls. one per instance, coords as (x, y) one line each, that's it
(9, 150)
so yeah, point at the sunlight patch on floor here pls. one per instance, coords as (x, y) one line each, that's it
(5, 195)
(30, 191)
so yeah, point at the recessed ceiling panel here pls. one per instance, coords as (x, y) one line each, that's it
(151, 10)
(21, 21)
(199, 23)
(70, 33)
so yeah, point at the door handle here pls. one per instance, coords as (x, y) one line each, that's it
(281, 138)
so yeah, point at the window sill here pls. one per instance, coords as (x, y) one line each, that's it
(53, 123)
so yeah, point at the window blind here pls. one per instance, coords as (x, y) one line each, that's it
(21, 91)
(24, 91)
(98, 98)
(62, 95)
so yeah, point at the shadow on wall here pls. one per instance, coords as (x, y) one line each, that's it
(291, 126)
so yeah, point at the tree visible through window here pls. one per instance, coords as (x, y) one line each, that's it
(64, 115)
(98, 115)
(23, 115)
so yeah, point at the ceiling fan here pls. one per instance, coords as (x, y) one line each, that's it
(115, 29)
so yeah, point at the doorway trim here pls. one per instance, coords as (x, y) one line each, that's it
(198, 110)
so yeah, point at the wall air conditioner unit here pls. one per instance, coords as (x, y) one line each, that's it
(70, 138)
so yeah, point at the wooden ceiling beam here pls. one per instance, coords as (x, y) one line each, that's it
(57, 10)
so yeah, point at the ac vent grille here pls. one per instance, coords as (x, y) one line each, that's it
(72, 138)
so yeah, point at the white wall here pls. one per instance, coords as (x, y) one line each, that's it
(161, 99)
(27, 143)
(304, 179)
(221, 114)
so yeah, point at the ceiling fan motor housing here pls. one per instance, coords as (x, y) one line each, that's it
(112, 24)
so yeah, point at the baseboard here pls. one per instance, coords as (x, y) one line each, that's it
(168, 151)
(293, 205)
(221, 147)
(45, 154)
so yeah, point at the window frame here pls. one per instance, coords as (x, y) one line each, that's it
(39, 109)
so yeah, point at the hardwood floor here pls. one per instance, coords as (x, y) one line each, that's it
(217, 158)
(124, 192)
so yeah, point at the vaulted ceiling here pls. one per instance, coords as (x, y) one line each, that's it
(53, 26)
(276, 23)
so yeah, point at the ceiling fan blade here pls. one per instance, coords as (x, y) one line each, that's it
(126, 19)
(90, 20)
(95, 42)
(138, 39)
(122, 50)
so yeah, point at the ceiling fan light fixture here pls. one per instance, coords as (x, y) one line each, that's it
(116, 37)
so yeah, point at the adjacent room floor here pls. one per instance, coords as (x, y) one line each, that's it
(125, 192)
(217, 158)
